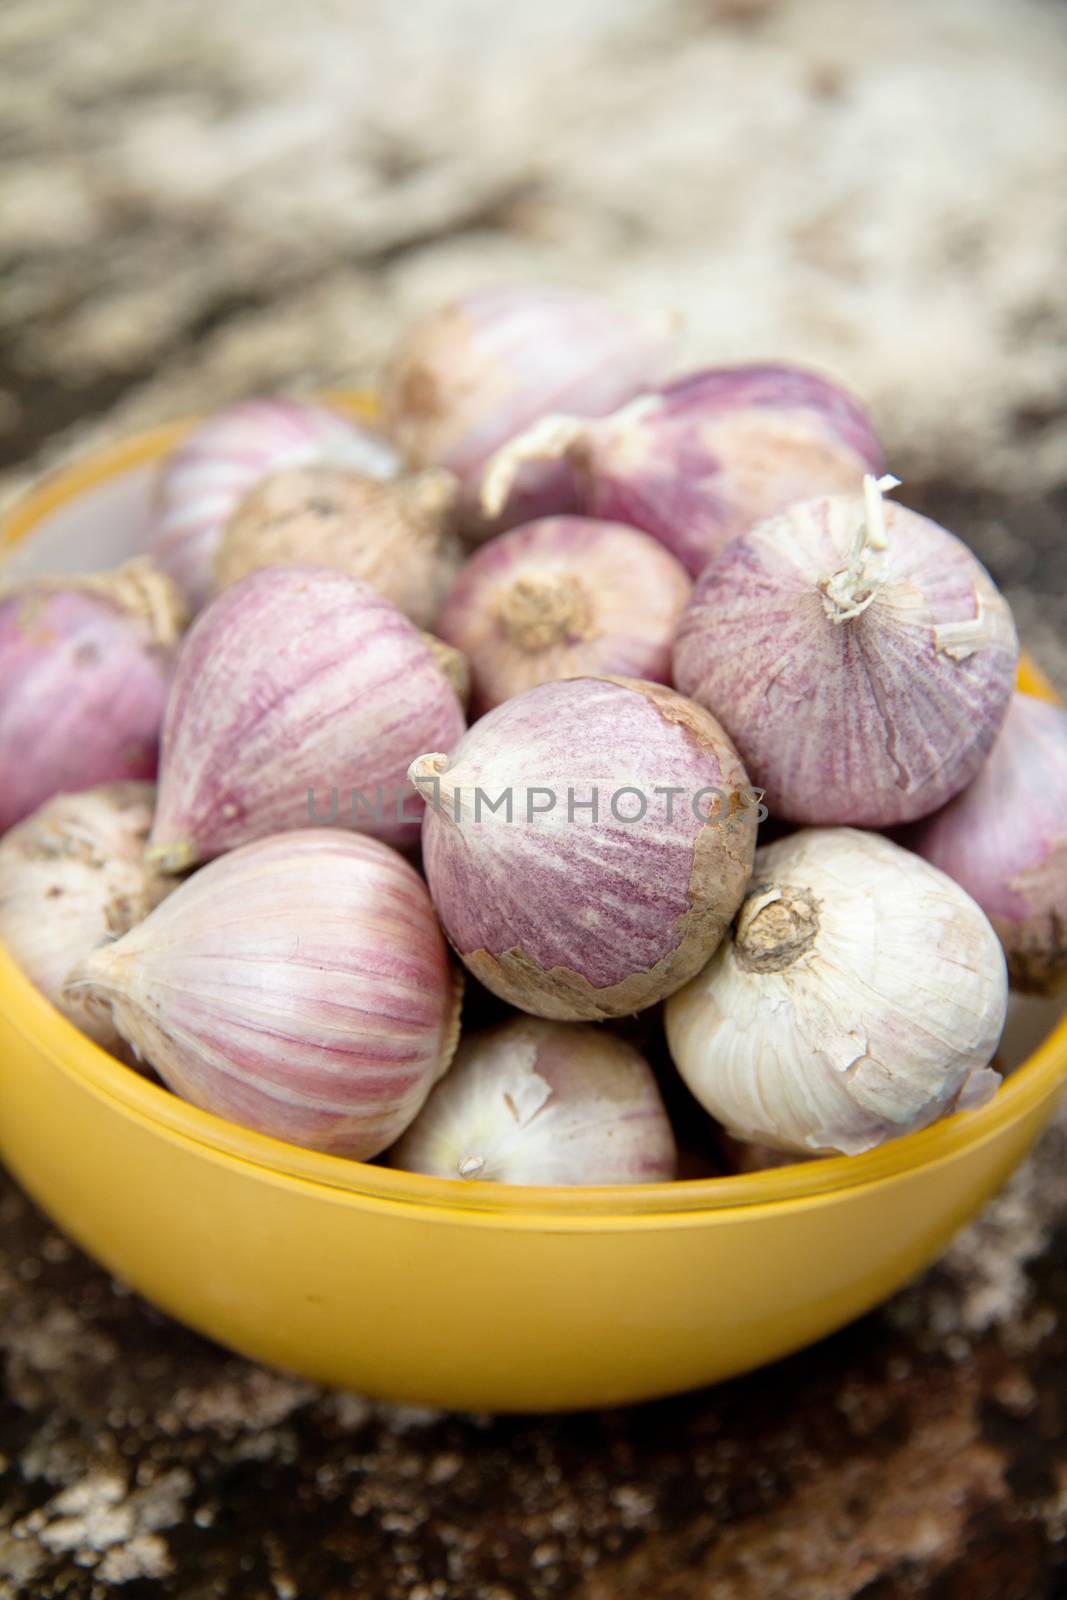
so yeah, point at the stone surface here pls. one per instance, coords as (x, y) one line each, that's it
(199, 199)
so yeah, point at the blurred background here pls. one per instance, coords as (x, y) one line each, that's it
(201, 198)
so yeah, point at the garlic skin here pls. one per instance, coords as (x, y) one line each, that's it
(543, 1103)
(85, 669)
(204, 480)
(73, 877)
(706, 457)
(1004, 839)
(299, 986)
(483, 367)
(858, 655)
(575, 917)
(565, 597)
(301, 697)
(860, 996)
(397, 535)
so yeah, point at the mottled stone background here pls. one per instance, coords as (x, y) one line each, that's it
(200, 197)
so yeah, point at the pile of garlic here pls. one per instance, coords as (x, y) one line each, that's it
(267, 853)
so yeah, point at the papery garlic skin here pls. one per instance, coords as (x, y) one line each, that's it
(397, 535)
(301, 696)
(73, 877)
(564, 597)
(85, 669)
(706, 457)
(575, 917)
(868, 713)
(543, 1103)
(204, 480)
(474, 373)
(860, 996)
(1004, 839)
(299, 986)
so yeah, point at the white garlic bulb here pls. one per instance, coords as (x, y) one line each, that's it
(543, 1103)
(73, 877)
(860, 995)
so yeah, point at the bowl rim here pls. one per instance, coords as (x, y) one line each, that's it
(46, 1031)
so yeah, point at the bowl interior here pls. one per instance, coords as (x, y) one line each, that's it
(97, 513)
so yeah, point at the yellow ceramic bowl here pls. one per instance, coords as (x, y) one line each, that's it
(455, 1294)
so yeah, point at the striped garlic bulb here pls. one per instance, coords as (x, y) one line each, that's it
(475, 372)
(587, 845)
(299, 986)
(858, 655)
(300, 695)
(1005, 840)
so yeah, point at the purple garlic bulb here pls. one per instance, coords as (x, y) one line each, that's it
(299, 986)
(85, 669)
(1004, 840)
(565, 597)
(706, 457)
(587, 844)
(859, 656)
(301, 696)
(479, 370)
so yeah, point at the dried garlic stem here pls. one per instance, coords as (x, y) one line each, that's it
(547, 440)
(428, 776)
(850, 591)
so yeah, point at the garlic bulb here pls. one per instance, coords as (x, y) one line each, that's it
(586, 845)
(72, 877)
(204, 480)
(477, 371)
(543, 1103)
(85, 668)
(1005, 840)
(860, 996)
(301, 697)
(858, 655)
(566, 597)
(299, 986)
(706, 457)
(396, 535)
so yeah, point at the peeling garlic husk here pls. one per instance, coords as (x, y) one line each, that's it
(397, 535)
(85, 670)
(704, 458)
(475, 372)
(215, 466)
(543, 1103)
(564, 597)
(859, 656)
(860, 996)
(575, 916)
(72, 878)
(299, 986)
(1004, 839)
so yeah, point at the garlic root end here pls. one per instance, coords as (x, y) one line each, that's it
(171, 858)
